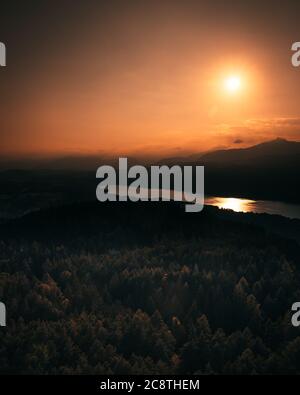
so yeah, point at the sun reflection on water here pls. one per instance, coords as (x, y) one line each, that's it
(238, 205)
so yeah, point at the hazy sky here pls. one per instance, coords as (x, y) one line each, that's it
(146, 76)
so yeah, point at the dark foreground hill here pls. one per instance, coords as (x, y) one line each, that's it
(147, 288)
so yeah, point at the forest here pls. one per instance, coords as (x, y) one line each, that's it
(144, 288)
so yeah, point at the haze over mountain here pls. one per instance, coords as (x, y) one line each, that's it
(68, 162)
(264, 153)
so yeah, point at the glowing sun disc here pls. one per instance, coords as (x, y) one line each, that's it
(233, 84)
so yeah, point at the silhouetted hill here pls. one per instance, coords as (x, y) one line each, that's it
(144, 222)
(268, 171)
(264, 153)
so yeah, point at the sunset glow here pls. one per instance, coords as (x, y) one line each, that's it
(148, 80)
(233, 84)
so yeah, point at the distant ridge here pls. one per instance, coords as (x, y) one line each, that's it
(262, 152)
(267, 171)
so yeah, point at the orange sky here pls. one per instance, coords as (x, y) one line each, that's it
(139, 77)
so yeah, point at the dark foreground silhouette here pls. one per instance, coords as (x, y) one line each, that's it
(146, 288)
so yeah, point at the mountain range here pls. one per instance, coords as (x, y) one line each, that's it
(264, 153)
(265, 171)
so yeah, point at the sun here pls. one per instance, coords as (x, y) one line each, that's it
(232, 84)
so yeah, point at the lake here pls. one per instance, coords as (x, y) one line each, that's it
(255, 206)
(288, 210)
